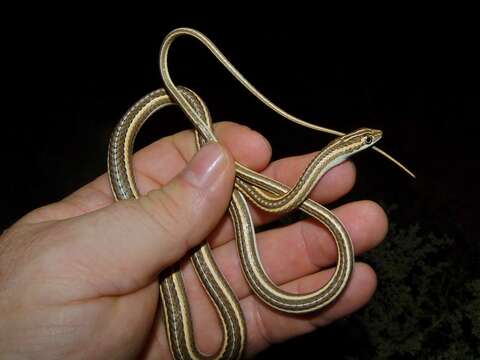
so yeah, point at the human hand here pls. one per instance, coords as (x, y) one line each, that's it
(78, 278)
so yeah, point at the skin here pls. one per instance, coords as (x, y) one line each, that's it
(78, 278)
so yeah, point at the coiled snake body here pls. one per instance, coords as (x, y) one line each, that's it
(265, 193)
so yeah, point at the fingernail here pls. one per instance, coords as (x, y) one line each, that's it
(206, 166)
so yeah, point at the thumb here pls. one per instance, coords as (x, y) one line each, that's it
(131, 241)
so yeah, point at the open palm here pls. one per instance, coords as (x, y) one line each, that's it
(78, 278)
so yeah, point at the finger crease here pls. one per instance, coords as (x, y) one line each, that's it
(262, 328)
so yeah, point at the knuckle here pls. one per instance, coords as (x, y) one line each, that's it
(166, 212)
(316, 247)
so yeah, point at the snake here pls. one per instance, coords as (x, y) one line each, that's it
(265, 193)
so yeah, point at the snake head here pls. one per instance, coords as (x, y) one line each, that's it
(349, 144)
(368, 137)
(359, 139)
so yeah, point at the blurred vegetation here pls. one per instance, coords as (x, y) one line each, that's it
(427, 305)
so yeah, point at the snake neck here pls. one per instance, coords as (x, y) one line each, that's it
(331, 156)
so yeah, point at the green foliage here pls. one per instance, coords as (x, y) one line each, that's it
(427, 306)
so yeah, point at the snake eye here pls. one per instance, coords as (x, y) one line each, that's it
(368, 140)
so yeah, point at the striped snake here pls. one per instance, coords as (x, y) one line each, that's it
(265, 193)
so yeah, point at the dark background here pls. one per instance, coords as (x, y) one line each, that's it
(73, 80)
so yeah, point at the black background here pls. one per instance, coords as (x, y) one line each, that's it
(70, 78)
